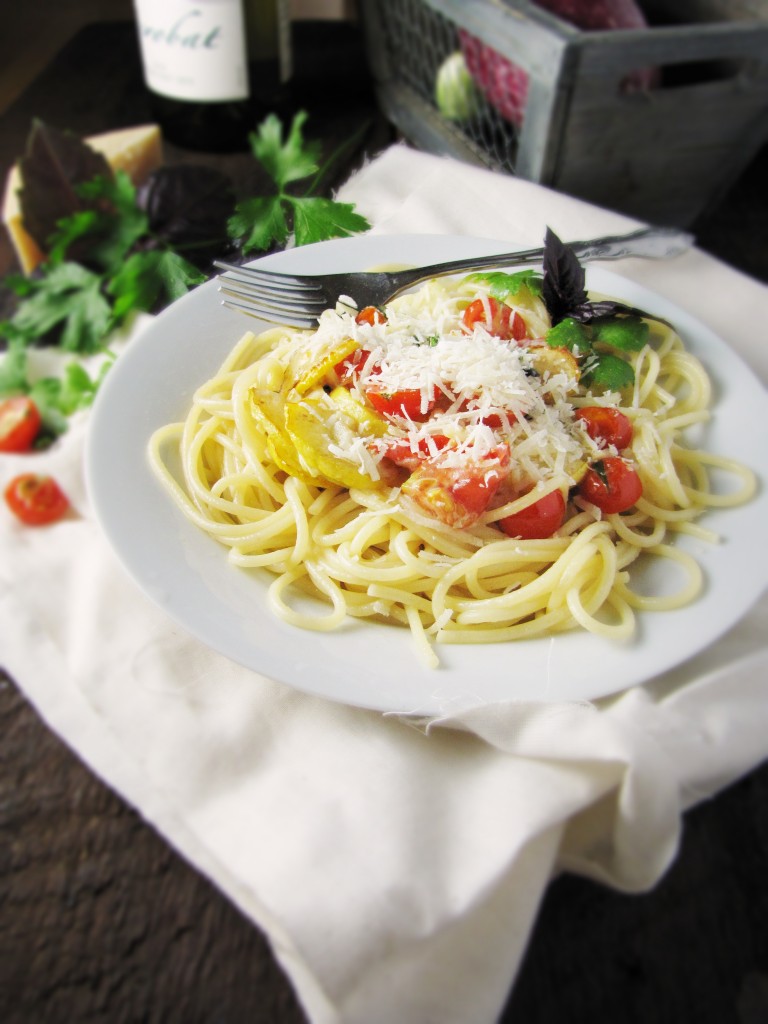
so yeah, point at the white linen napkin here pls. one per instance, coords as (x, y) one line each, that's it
(396, 868)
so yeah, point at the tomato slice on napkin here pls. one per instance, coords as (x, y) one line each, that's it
(19, 424)
(36, 500)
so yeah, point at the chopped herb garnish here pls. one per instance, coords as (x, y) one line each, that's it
(599, 468)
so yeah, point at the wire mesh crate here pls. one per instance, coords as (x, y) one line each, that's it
(655, 122)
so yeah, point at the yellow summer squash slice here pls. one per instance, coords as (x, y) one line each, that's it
(316, 425)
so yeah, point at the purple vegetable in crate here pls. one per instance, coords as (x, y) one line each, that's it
(597, 14)
(505, 85)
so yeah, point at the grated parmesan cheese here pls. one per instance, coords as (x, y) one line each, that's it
(475, 377)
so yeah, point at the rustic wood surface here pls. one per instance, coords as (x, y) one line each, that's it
(103, 921)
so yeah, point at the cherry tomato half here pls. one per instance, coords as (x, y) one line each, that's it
(371, 315)
(539, 520)
(606, 425)
(19, 424)
(457, 495)
(497, 317)
(347, 368)
(405, 402)
(614, 485)
(400, 452)
(36, 500)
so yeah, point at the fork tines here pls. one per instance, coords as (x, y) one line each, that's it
(277, 298)
(269, 278)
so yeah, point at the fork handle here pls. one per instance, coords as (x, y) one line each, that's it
(652, 243)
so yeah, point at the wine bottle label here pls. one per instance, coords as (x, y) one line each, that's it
(194, 49)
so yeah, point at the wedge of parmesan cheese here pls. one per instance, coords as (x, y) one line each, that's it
(137, 151)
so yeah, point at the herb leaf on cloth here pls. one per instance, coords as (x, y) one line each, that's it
(68, 298)
(150, 279)
(56, 398)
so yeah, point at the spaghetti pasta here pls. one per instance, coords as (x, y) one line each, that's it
(454, 464)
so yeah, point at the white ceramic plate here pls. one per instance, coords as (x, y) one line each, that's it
(370, 664)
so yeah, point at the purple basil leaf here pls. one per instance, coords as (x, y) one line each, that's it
(587, 312)
(54, 163)
(564, 278)
(188, 207)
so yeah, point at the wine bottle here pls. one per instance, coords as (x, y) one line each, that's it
(214, 68)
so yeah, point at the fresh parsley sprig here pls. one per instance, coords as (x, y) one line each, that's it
(56, 398)
(114, 250)
(261, 222)
(127, 271)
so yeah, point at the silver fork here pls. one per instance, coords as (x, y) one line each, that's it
(298, 300)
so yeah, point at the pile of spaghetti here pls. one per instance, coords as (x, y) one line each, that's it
(477, 461)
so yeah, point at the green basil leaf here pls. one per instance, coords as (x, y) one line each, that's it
(609, 372)
(626, 333)
(503, 285)
(570, 334)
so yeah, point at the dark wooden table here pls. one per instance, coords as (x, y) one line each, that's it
(102, 921)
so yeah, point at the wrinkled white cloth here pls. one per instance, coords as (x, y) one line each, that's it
(396, 869)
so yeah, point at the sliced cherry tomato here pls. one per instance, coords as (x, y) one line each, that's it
(36, 500)
(399, 450)
(519, 328)
(405, 403)
(19, 424)
(537, 521)
(497, 317)
(612, 484)
(457, 495)
(371, 315)
(495, 420)
(606, 425)
(347, 368)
